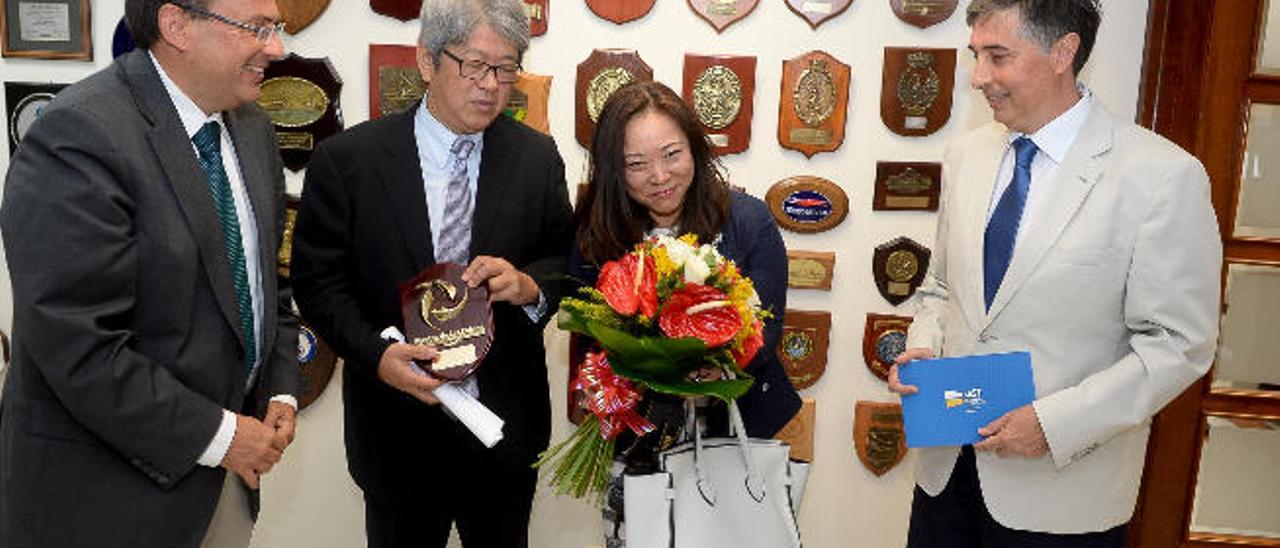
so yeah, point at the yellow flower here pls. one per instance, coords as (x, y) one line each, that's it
(689, 238)
(666, 267)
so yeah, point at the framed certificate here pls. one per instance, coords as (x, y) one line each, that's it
(45, 29)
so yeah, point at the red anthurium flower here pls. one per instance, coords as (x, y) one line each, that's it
(630, 284)
(750, 346)
(696, 310)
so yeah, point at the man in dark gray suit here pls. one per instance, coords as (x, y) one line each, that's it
(141, 218)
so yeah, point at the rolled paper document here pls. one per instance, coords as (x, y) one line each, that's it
(483, 423)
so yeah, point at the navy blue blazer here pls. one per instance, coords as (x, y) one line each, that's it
(751, 239)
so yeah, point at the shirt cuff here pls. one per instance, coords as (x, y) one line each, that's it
(217, 449)
(535, 311)
(287, 400)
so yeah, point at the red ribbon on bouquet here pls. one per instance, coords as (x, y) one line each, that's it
(610, 397)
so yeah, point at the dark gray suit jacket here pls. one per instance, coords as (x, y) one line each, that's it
(126, 332)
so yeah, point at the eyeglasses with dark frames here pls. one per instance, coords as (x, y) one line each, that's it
(475, 69)
(263, 33)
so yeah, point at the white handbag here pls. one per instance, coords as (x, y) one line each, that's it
(717, 492)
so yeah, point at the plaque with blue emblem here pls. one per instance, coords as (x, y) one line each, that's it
(803, 347)
(316, 362)
(807, 204)
(884, 338)
(25, 102)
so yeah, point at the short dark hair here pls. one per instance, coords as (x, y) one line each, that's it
(1045, 21)
(143, 19)
(609, 223)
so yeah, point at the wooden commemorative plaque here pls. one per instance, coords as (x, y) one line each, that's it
(898, 267)
(813, 103)
(803, 347)
(538, 12)
(923, 13)
(403, 10)
(300, 95)
(810, 269)
(394, 81)
(620, 11)
(284, 258)
(805, 203)
(722, 13)
(720, 89)
(798, 432)
(915, 92)
(817, 12)
(528, 101)
(316, 361)
(299, 14)
(907, 186)
(440, 310)
(601, 74)
(878, 435)
(24, 101)
(884, 337)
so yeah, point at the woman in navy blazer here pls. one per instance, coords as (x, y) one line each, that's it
(652, 172)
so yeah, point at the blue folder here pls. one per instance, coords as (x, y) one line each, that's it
(960, 395)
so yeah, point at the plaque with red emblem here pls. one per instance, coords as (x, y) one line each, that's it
(601, 74)
(403, 10)
(720, 89)
(620, 11)
(923, 13)
(817, 12)
(803, 346)
(299, 14)
(884, 337)
(813, 101)
(394, 81)
(915, 92)
(440, 310)
(907, 186)
(300, 95)
(722, 13)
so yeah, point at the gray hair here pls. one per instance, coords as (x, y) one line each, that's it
(449, 22)
(1045, 21)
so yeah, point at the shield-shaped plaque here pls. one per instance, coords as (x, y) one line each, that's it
(538, 12)
(620, 11)
(798, 432)
(316, 362)
(722, 13)
(810, 269)
(394, 81)
(805, 203)
(24, 102)
(300, 95)
(899, 266)
(403, 10)
(878, 435)
(803, 347)
(907, 186)
(299, 14)
(528, 101)
(817, 12)
(284, 258)
(601, 74)
(721, 89)
(883, 339)
(915, 94)
(440, 310)
(923, 13)
(122, 40)
(813, 103)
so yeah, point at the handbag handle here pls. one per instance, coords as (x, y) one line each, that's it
(753, 482)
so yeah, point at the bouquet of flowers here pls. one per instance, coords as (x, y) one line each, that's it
(662, 312)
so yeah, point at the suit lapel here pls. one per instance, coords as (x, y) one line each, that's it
(973, 204)
(494, 169)
(1079, 171)
(177, 157)
(401, 176)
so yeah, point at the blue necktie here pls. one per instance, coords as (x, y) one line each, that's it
(208, 142)
(1002, 229)
(455, 234)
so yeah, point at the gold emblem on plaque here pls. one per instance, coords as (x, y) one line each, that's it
(909, 182)
(401, 87)
(440, 313)
(293, 102)
(918, 87)
(901, 267)
(815, 94)
(717, 97)
(727, 8)
(925, 8)
(602, 86)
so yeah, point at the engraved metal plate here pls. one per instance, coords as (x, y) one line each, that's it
(814, 99)
(878, 435)
(293, 102)
(601, 74)
(915, 96)
(899, 266)
(923, 13)
(394, 81)
(284, 257)
(717, 97)
(720, 89)
(300, 95)
(602, 86)
(810, 269)
(722, 13)
(907, 186)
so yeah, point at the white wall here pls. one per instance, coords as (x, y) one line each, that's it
(309, 499)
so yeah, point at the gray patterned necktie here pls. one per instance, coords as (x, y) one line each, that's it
(455, 229)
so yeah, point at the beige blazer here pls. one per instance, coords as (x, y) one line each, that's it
(1113, 288)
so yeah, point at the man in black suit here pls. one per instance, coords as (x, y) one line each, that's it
(448, 180)
(141, 218)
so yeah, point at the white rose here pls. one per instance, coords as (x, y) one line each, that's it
(696, 269)
(678, 251)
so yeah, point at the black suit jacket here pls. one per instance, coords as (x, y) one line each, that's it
(363, 229)
(127, 340)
